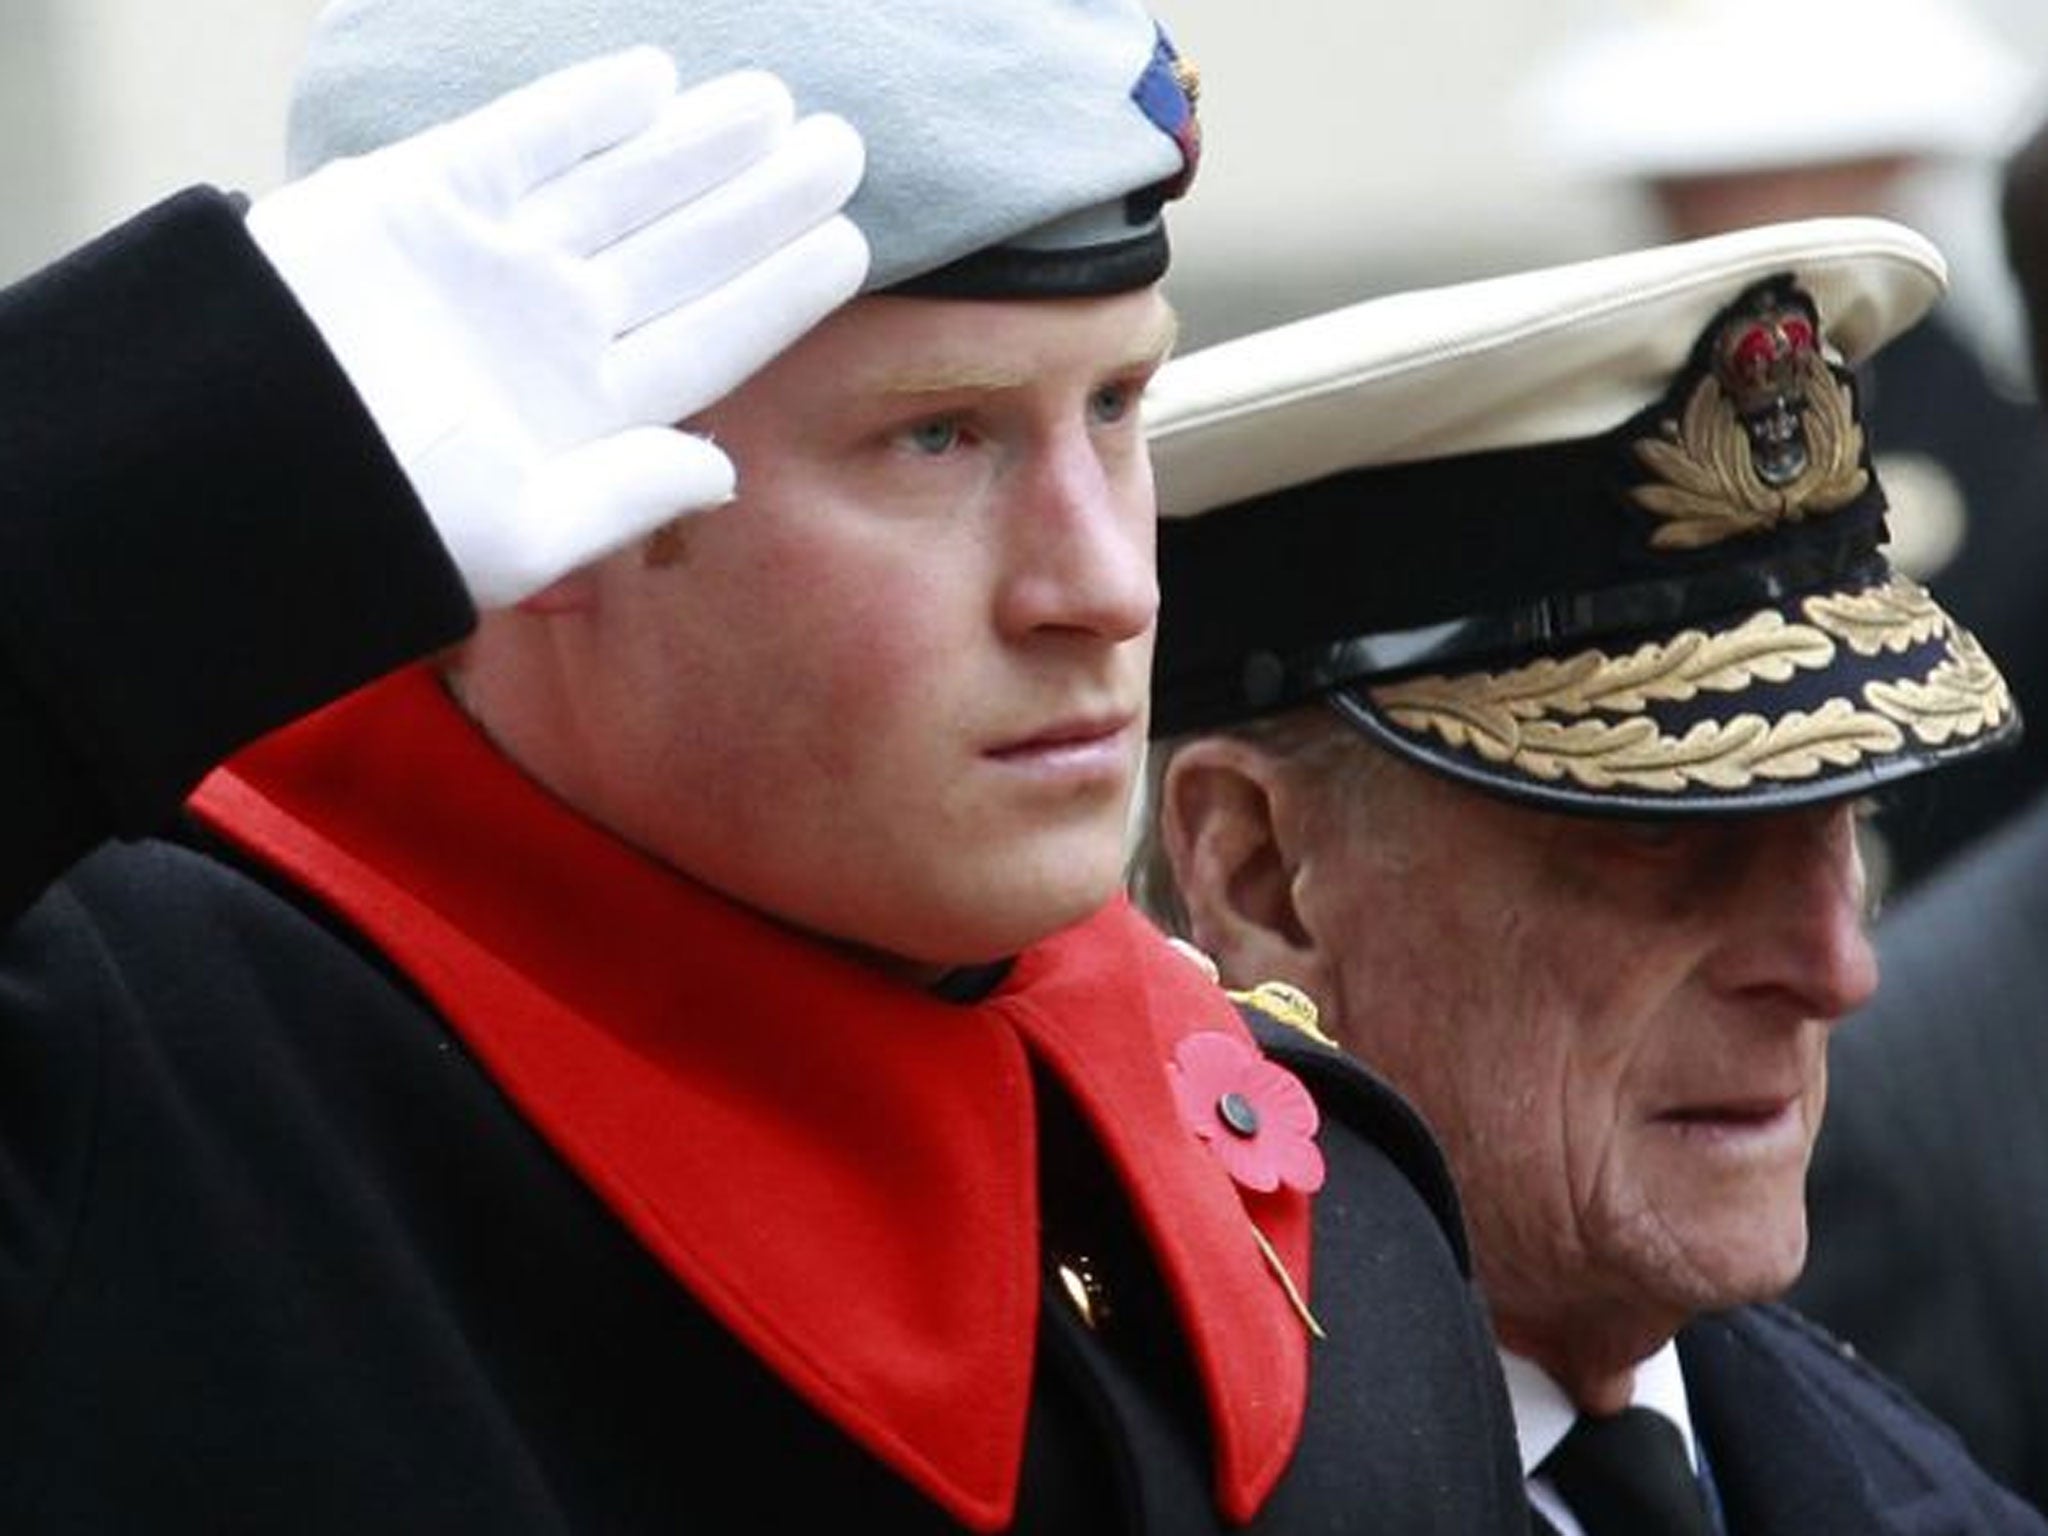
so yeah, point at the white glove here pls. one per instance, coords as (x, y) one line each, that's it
(528, 297)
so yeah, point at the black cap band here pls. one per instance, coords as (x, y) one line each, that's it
(1022, 272)
(1457, 562)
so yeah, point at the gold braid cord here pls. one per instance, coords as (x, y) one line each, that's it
(1962, 697)
(1544, 719)
(1708, 488)
(1893, 617)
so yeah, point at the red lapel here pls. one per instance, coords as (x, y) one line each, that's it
(761, 1110)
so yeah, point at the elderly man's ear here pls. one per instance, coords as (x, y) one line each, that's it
(1232, 826)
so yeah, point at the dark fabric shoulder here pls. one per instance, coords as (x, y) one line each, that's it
(1836, 1369)
(1410, 1427)
(1794, 1420)
(1345, 1088)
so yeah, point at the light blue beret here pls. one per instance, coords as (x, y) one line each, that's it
(1013, 146)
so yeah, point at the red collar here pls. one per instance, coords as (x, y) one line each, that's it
(761, 1110)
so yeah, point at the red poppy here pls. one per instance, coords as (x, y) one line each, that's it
(1252, 1114)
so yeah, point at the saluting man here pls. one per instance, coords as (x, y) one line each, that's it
(640, 1031)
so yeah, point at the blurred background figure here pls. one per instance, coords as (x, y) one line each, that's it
(1725, 113)
(1929, 1194)
(2023, 221)
(1927, 1205)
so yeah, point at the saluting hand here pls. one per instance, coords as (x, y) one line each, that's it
(528, 297)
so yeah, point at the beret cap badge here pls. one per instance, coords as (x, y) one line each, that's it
(1168, 93)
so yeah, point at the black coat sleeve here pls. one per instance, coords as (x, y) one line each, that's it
(202, 536)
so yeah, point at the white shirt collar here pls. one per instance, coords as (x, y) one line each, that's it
(1543, 1413)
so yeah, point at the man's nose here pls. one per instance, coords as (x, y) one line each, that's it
(1079, 545)
(1806, 935)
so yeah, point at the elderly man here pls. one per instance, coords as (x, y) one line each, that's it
(1528, 648)
(662, 1047)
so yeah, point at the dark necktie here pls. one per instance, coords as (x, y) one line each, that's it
(1628, 1476)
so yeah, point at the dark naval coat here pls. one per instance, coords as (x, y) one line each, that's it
(1803, 1438)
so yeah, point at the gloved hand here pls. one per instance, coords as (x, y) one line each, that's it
(528, 297)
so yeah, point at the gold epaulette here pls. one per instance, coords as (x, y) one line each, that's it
(1288, 1005)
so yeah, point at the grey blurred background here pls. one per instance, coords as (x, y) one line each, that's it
(1353, 147)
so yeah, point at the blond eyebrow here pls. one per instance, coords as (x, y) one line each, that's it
(1152, 347)
(959, 378)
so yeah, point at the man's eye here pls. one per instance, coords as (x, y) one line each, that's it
(938, 436)
(1111, 403)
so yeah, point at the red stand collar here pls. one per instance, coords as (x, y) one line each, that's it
(761, 1110)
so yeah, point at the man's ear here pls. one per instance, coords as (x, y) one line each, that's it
(1226, 813)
